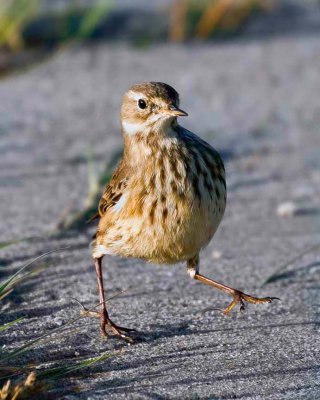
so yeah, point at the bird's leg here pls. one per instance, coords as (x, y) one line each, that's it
(238, 296)
(103, 315)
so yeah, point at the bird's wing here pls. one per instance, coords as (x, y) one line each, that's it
(114, 190)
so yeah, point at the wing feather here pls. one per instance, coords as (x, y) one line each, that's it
(114, 190)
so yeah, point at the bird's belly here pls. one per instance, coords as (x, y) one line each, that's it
(174, 235)
(194, 232)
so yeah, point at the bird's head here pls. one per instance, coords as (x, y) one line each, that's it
(150, 106)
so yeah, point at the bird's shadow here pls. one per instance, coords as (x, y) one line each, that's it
(161, 331)
(185, 328)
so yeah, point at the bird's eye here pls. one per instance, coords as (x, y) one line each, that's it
(142, 104)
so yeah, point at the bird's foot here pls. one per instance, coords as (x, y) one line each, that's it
(117, 330)
(106, 322)
(240, 298)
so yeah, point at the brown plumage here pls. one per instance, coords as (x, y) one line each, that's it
(167, 196)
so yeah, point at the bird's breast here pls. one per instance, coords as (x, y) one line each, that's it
(171, 207)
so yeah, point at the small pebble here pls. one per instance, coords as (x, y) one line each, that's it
(216, 255)
(287, 209)
(58, 321)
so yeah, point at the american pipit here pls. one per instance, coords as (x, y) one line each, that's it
(167, 196)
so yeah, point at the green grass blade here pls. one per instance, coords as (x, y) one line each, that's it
(6, 283)
(55, 373)
(7, 325)
(78, 220)
(93, 17)
(11, 242)
(26, 346)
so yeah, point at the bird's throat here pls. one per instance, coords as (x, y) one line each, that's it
(147, 140)
(157, 124)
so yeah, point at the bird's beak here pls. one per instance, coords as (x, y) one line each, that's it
(174, 111)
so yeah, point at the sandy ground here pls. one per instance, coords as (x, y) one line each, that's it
(257, 102)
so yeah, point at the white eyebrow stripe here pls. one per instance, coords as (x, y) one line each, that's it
(136, 95)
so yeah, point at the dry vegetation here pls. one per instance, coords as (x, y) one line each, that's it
(201, 20)
(22, 382)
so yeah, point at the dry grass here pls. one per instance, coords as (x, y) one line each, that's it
(77, 219)
(16, 386)
(25, 389)
(15, 15)
(202, 19)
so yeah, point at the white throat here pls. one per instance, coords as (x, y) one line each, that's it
(131, 128)
(156, 123)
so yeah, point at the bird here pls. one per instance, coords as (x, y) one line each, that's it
(166, 197)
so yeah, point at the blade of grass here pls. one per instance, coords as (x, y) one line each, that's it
(93, 17)
(55, 373)
(5, 293)
(25, 347)
(6, 283)
(11, 242)
(13, 19)
(8, 324)
(21, 279)
(211, 17)
(79, 219)
(8, 243)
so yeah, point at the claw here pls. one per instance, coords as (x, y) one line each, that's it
(240, 298)
(273, 298)
(242, 306)
(119, 331)
(105, 321)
